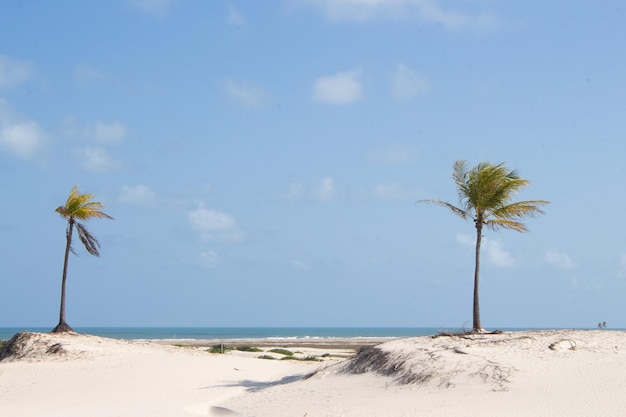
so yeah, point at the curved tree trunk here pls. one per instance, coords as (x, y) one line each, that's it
(477, 326)
(63, 326)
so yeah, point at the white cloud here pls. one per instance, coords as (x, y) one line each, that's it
(214, 225)
(158, 8)
(407, 84)
(492, 249)
(466, 240)
(497, 255)
(341, 88)
(354, 9)
(235, 18)
(140, 195)
(247, 95)
(427, 10)
(559, 260)
(96, 159)
(325, 190)
(13, 72)
(23, 138)
(396, 153)
(431, 11)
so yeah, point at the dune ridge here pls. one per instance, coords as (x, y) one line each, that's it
(529, 373)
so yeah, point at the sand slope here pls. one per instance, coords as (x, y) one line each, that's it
(543, 373)
(85, 376)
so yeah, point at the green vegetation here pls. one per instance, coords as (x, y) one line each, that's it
(249, 349)
(221, 348)
(309, 358)
(485, 192)
(282, 352)
(77, 207)
(3, 343)
(363, 349)
(270, 357)
(286, 354)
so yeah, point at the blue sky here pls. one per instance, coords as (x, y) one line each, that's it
(262, 160)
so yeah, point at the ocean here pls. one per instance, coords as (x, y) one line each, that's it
(229, 333)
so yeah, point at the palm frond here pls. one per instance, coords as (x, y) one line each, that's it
(89, 241)
(497, 224)
(485, 192)
(491, 186)
(80, 206)
(460, 175)
(68, 237)
(518, 210)
(456, 210)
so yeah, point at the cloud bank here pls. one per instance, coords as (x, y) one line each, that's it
(95, 157)
(493, 249)
(430, 11)
(560, 260)
(214, 225)
(342, 88)
(22, 138)
(138, 195)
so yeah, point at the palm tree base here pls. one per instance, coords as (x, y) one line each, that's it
(483, 331)
(63, 328)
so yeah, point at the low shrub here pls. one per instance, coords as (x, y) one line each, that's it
(249, 349)
(282, 352)
(267, 357)
(221, 348)
(363, 349)
(309, 358)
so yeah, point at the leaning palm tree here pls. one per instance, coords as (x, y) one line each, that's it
(485, 192)
(77, 207)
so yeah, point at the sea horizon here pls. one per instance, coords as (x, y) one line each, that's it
(230, 333)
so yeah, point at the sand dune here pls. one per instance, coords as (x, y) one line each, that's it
(540, 373)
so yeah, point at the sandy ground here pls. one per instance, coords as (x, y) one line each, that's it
(542, 373)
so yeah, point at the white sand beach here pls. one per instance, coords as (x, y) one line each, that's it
(531, 373)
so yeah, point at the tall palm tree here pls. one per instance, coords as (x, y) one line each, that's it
(77, 208)
(485, 192)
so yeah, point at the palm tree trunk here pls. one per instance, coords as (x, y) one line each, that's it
(477, 326)
(63, 326)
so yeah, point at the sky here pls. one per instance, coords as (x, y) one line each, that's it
(262, 161)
